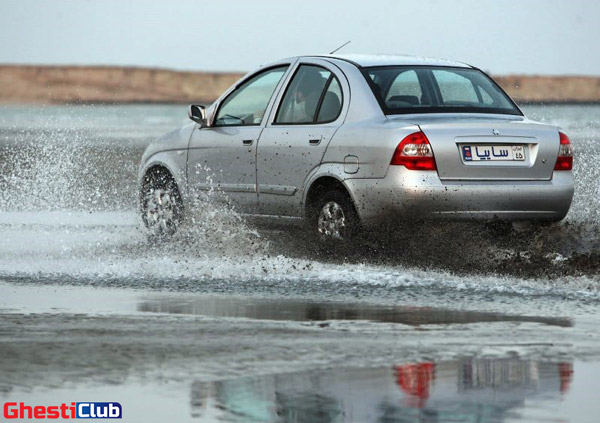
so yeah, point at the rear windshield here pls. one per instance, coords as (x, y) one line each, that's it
(427, 89)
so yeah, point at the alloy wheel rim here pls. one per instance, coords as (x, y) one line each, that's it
(332, 221)
(160, 211)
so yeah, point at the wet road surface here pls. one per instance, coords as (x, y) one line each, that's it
(242, 321)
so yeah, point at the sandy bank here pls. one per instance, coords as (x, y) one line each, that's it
(99, 84)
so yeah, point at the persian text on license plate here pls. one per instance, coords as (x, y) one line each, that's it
(477, 153)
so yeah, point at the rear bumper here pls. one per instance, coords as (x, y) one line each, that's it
(421, 194)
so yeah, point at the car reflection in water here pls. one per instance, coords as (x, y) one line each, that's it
(415, 379)
(482, 390)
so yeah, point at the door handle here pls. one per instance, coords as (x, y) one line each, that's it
(315, 141)
(247, 142)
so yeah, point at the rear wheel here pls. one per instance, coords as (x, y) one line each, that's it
(333, 217)
(162, 208)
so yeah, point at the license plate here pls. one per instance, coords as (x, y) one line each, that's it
(481, 153)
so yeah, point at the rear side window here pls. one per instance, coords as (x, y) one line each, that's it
(313, 96)
(331, 105)
(428, 89)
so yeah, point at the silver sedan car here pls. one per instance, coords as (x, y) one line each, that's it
(351, 142)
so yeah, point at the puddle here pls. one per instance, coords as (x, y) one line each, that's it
(79, 299)
(304, 310)
(464, 390)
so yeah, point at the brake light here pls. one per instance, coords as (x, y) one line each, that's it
(564, 160)
(414, 152)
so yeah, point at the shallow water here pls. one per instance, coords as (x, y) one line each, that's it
(68, 180)
(218, 315)
(188, 356)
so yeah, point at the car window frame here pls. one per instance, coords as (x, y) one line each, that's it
(243, 81)
(321, 98)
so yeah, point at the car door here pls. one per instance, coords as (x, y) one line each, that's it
(309, 111)
(222, 157)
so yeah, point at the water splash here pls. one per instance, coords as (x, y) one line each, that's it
(69, 213)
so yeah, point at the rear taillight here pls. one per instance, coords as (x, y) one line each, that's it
(414, 153)
(565, 154)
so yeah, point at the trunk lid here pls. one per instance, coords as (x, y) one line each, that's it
(490, 148)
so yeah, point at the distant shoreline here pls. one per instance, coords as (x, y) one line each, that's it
(207, 103)
(25, 84)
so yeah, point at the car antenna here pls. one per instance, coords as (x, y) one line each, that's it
(340, 47)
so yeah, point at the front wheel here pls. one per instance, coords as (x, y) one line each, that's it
(334, 218)
(162, 208)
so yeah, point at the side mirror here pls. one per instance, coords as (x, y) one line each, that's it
(197, 113)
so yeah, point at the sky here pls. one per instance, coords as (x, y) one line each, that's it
(500, 36)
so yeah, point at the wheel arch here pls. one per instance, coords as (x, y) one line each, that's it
(172, 161)
(320, 185)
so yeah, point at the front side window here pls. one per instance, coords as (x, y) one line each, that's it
(429, 89)
(313, 96)
(247, 104)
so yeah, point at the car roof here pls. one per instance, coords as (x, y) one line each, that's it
(368, 60)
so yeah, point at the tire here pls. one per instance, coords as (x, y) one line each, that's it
(161, 204)
(333, 218)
